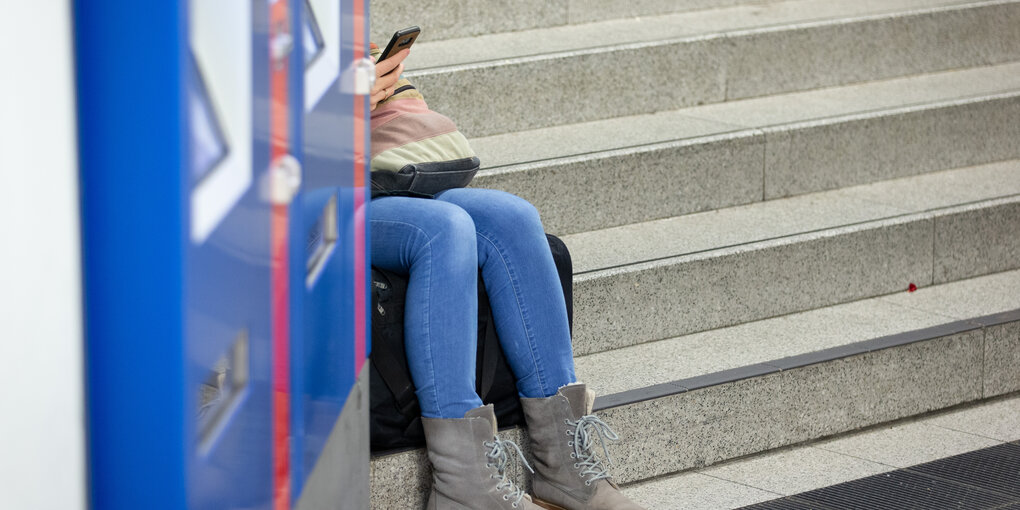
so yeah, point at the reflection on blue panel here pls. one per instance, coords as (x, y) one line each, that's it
(322, 335)
(311, 35)
(208, 144)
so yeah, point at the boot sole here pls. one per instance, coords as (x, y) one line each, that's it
(547, 506)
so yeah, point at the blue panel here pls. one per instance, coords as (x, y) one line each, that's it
(178, 331)
(228, 297)
(132, 150)
(323, 312)
(164, 315)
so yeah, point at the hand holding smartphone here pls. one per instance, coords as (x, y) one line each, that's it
(388, 69)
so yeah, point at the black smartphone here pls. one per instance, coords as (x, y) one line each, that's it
(401, 40)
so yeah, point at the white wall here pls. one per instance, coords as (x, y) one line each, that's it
(42, 423)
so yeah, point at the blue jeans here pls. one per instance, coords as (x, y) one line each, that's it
(441, 244)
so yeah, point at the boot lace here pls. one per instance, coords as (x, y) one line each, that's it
(586, 430)
(499, 458)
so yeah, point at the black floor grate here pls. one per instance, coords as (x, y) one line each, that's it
(784, 504)
(903, 490)
(982, 479)
(995, 469)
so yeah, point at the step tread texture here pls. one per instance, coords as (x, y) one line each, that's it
(946, 365)
(541, 43)
(450, 19)
(700, 272)
(516, 89)
(531, 146)
(695, 233)
(732, 419)
(796, 334)
(628, 170)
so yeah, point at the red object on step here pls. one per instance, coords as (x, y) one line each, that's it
(911, 288)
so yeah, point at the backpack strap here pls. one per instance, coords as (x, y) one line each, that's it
(398, 383)
(388, 334)
(565, 270)
(489, 345)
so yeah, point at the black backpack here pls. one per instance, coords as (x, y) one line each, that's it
(395, 418)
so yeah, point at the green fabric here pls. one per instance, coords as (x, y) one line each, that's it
(422, 145)
(448, 147)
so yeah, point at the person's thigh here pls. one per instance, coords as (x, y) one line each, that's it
(433, 243)
(523, 287)
(403, 228)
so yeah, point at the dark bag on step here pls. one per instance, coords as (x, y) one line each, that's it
(395, 417)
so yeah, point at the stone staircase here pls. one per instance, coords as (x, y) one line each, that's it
(748, 189)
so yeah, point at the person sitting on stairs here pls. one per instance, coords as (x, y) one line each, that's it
(441, 244)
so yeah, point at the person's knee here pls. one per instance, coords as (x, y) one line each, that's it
(523, 210)
(513, 212)
(451, 232)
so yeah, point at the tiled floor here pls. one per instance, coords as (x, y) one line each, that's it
(884, 449)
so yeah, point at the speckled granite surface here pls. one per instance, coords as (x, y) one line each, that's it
(646, 183)
(661, 135)
(541, 87)
(817, 466)
(995, 420)
(787, 471)
(401, 480)
(620, 307)
(600, 174)
(706, 426)
(831, 154)
(974, 297)
(585, 11)
(871, 48)
(446, 19)
(1002, 357)
(575, 87)
(752, 17)
(980, 187)
(729, 348)
(906, 444)
(944, 189)
(977, 239)
(710, 230)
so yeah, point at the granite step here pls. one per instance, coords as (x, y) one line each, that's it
(672, 277)
(508, 82)
(630, 169)
(699, 400)
(877, 450)
(449, 19)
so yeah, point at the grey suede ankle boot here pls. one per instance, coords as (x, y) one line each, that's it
(469, 464)
(568, 474)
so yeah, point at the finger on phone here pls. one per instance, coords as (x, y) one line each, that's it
(391, 63)
(389, 79)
